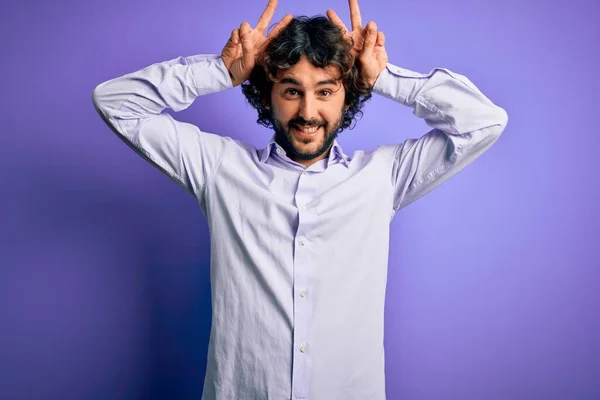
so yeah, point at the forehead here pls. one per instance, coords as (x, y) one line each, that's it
(304, 73)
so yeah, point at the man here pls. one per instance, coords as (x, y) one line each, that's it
(300, 230)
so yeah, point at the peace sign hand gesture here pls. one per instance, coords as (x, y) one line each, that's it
(367, 43)
(245, 43)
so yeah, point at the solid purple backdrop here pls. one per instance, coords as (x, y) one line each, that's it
(494, 281)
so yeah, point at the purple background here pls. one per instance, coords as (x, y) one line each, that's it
(494, 281)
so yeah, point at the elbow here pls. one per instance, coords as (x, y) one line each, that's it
(502, 118)
(500, 121)
(99, 101)
(97, 98)
(102, 106)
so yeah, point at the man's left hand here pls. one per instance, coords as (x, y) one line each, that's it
(367, 43)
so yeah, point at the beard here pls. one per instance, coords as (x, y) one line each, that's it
(285, 138)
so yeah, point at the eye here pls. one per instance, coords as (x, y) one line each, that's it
(291, 92)
(325, 92)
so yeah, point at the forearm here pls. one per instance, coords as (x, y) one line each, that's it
(172, 84)
(446, 100)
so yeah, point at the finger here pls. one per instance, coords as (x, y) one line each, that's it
(247, 46)
(280, 25)
(235, 36)
(355, 14)
(370, 39)
(244, 29)
(380, 39)
(265, 18)
(333, 17)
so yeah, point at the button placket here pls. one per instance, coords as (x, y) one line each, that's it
(302, 283)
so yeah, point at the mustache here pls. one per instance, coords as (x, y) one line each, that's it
(307, 123)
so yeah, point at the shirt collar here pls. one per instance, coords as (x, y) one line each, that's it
(336, 154)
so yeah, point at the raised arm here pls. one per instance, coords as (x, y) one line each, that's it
(133, 105)
(465, 122)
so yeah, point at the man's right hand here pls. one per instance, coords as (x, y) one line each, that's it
(245, 44)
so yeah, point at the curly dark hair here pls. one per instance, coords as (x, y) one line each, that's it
(323, 44)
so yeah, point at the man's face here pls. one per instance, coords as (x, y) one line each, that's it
(307, 105)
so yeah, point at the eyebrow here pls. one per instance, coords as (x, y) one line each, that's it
(296, 82)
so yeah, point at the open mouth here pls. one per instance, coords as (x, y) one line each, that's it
(307, 131)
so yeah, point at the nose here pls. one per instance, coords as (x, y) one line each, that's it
(308, 108)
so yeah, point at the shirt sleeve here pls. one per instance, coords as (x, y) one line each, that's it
(465, 124)
(134, 105)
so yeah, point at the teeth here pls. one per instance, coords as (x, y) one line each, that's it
(309, 130)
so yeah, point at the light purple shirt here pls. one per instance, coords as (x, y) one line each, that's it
(299, 255)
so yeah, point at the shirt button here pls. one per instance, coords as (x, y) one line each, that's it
(303, 293)
(303, 207)
(303, 348)
(278, 150)
(305, 173)
(303, 242)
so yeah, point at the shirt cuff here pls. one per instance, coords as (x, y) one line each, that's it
(209, 73)
(396, 83)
